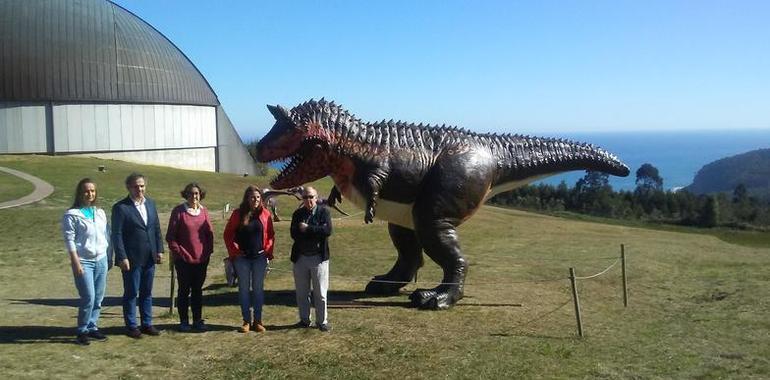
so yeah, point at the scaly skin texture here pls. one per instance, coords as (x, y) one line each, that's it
(425, 181)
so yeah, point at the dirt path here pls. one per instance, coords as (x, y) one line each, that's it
(42, 189)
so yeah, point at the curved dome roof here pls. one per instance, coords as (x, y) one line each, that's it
(91, 51)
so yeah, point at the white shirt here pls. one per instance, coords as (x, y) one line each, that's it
(142, 209)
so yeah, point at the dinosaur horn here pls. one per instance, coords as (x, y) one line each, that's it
(340, 211)
(267, 194)
(279, 113)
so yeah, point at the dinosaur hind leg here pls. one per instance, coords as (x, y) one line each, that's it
(451, 192)
(442, 246)
(405, 268)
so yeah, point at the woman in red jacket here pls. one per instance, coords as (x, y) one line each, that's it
(249, 238)
(190, 238)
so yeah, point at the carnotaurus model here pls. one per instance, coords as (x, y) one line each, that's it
(425, 181)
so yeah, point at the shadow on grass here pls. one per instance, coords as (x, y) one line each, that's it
(66, 335)
(286, 297)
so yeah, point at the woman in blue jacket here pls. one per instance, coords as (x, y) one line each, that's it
(87, 238)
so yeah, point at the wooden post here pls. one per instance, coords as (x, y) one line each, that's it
(623, 270)
(577, 301)
(173, 282)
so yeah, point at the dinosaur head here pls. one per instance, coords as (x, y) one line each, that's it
(299, 140)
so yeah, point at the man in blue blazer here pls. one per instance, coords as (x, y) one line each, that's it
(138, 247)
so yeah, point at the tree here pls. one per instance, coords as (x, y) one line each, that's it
(740, 194)
(744, 207)
(262, 168)
(649, 190)
(709, 216)
(593, 194)
(648, 178)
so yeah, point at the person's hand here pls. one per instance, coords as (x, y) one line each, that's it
(159, 258)
(124, 265)
(302, 227)
(77, 269)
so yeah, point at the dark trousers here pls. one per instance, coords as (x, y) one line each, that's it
(190, 278)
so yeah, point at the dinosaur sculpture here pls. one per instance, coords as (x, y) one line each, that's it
(424, 181)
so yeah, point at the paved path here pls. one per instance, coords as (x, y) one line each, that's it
(42, 189)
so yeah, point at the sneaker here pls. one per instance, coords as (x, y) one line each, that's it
(134, 333)
(246, 327)
(324, 327)
(199, 326)
(82, 339)
(258, 327)
(150, 330)
(97, 335)
(184, 327)
(301, 325)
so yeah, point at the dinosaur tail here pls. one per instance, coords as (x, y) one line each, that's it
(525, 159)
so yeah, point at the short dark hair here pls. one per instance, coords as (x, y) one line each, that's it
(133, 177)
(188, 189)
(80, 190)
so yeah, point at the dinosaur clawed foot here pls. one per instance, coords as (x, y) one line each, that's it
(384, 285)
(439, 298)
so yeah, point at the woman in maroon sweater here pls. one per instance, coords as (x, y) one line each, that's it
(190, 239)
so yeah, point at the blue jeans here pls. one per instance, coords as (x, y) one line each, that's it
(251, 281)
(91, 286)
(138, 282)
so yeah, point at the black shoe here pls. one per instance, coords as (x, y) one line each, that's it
(324, 327)
(97, 335)
(150, 330)
(184, 327)
(82, 339)
(199, 326)
(134, 333)
(301, 325)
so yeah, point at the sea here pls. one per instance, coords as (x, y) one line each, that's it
(678, 155)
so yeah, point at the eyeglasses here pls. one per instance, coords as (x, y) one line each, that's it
(308, 196)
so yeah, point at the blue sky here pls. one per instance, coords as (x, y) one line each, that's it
(534, 67)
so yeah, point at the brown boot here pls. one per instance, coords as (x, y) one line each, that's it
(258, 327)
(245, 328)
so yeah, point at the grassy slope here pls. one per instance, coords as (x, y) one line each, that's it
(12, 187)
(698, 305)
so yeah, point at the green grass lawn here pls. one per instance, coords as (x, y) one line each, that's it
(698, 305)
(13, 187)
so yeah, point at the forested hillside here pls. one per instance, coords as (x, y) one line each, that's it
(751, 169)
(734, 207)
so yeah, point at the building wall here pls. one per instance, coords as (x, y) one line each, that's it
(120, 127)
(161, 134)
(22, 128)
(190, 159)
(232, 155)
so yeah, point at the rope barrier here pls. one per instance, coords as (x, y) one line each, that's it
(562, 259)
(367, 279)
(348, 216)
(541, 316)
(600, 273)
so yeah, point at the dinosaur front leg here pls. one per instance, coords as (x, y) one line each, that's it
(371, 183)
(442, 246)
(405, 268)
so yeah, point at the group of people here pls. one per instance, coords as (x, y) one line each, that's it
(132, 241)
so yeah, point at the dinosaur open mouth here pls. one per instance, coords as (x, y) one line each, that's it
(305, 165)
